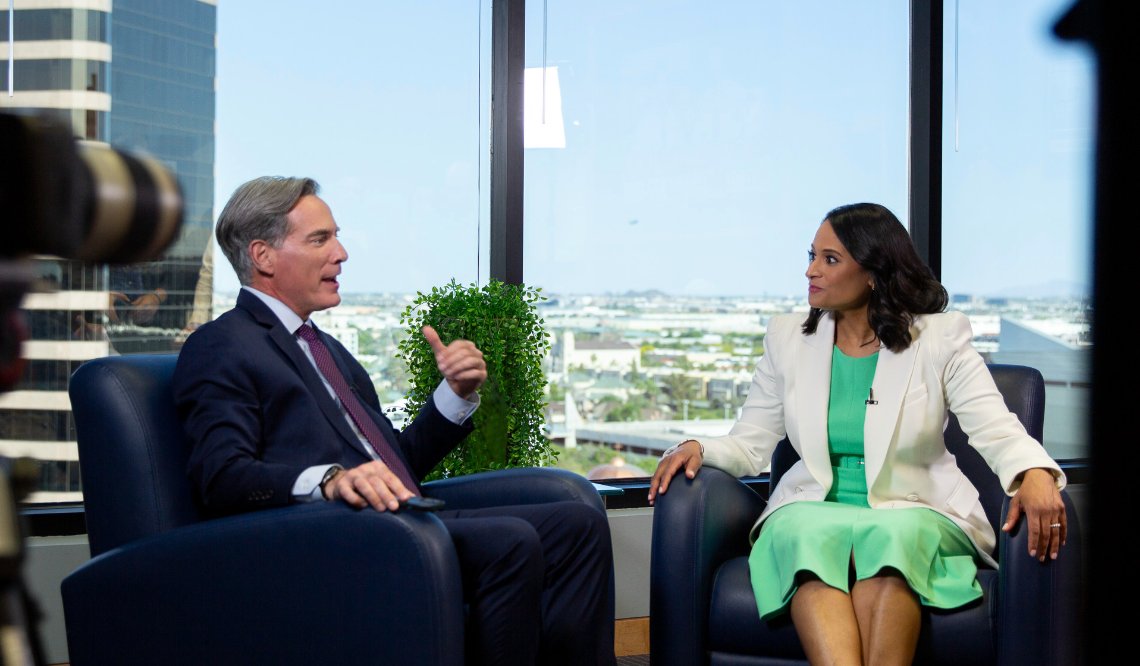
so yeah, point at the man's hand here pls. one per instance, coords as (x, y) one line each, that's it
(138, 311)
(460, 362)
(145, 307)
(371, 484)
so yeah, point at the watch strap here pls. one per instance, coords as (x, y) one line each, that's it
(330, 474)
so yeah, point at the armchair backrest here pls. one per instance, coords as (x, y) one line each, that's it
(1022, 387)
(132, 449)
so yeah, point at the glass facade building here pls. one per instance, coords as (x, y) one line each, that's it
(137, 76)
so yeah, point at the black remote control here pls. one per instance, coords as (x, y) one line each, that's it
(423, 503)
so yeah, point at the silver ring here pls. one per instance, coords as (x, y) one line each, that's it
(1056, 526)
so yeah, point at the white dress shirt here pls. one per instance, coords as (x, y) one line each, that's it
(307, 487)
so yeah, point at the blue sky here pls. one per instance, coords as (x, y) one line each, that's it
(703, 142)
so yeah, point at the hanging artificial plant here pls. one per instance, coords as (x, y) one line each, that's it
(502, 320)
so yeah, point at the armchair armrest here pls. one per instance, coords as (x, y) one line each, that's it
(1041, 603)
(526, 485)
(204, 593)
(697, 525)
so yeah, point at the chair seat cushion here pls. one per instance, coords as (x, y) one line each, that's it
(734, 623)
(735, 627)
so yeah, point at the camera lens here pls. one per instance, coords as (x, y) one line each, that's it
(134, 207)
(80, 199)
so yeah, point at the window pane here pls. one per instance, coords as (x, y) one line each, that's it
(1017, 164)
(702, 149)
(52, 24)
(388, 122)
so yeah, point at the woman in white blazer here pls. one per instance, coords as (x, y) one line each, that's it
(875, 519)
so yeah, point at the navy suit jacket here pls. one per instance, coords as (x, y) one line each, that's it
(258, 414)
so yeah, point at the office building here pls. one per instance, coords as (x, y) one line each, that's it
(137, 76)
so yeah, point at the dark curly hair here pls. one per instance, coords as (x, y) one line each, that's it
(904, 285)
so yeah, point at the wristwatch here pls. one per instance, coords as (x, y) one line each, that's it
(330, 474)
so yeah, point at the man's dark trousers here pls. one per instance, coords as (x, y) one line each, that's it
(508, 555)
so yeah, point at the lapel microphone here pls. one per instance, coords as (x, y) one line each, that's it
(871, 397)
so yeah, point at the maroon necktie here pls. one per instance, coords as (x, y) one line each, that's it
(355, 410)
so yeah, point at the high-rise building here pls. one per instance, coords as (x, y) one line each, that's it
(137, 75)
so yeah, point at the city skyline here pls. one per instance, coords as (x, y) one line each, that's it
(617, 343)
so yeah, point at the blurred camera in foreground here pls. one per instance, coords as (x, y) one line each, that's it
(82, 200)
(75, 200)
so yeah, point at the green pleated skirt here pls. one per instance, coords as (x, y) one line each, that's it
(828, 539)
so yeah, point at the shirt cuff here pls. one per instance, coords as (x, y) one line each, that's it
(454, 409)
(307, 487)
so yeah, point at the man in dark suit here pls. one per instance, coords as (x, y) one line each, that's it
(279, 412)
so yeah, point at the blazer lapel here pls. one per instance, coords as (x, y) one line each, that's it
(813, 358)
(892, 380)
(285, 341)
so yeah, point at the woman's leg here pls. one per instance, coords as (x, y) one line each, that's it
(889, 615)
(827, 625)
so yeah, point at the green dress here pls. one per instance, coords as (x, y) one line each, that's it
(842, 539)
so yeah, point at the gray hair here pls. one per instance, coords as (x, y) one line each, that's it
(257, 210)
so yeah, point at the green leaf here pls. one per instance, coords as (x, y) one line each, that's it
(502, 321)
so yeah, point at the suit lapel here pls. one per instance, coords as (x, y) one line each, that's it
(892, 379)
(813, 358)
(285, 341)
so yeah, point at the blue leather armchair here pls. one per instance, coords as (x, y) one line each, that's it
(305, 584)
(702, 609)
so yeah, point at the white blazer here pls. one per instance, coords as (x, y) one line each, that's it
(907, 464)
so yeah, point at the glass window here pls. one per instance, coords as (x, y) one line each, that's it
(1017, 199)
(670, 214)
(391, 123)
(60, 74)
(37, 425)
(57, 24)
